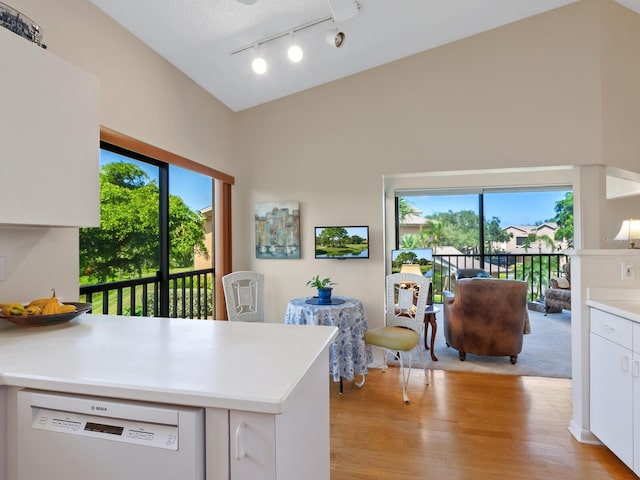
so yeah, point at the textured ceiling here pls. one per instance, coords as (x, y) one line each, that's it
(198, 36)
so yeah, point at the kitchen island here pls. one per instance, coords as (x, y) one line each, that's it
(272, 376)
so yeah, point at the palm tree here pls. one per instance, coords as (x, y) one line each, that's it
(410, 241)
(436, 234)
(533, 238)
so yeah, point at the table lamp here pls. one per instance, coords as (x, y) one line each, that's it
(629, 231)
(411, 268)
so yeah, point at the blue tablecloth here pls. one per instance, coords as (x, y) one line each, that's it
(348, 355)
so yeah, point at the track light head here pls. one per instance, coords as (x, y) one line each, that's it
(295, 53)
(335, 38)
(259, 65)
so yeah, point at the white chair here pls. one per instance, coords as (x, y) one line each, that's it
(406, 302)
(244, 296)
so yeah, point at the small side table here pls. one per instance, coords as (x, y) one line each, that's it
(430, 319)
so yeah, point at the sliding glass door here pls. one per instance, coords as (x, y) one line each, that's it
(141, 260)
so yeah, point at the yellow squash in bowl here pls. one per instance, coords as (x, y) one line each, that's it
(40, 306)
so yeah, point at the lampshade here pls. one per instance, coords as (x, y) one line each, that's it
(629, 231)
(411, 268)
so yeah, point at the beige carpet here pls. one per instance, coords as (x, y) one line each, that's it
(546, 351)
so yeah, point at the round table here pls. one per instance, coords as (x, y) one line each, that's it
(348, 355)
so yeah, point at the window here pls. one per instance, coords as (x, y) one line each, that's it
(510, 233)
(154, 252)
(485, 221)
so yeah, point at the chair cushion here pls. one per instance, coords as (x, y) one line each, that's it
(560, 282)
(392, 338)
(472, 273)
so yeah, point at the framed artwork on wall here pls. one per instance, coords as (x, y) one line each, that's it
(277, 226)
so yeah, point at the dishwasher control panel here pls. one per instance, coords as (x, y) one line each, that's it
(107, 428)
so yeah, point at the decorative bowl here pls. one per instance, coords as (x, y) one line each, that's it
(46, 320)
(19, 23)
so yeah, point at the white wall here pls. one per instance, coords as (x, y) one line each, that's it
(530, 94)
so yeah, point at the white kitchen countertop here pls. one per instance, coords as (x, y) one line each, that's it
(205, 363)
(617, 301)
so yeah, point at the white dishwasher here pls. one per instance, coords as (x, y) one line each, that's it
(63, 436)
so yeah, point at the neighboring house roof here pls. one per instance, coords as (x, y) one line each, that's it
(447, 250)
(527, 229)
(522, 228)
(413, 219)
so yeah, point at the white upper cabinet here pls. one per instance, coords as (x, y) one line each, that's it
(49, 138)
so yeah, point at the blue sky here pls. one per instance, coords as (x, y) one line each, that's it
(193, 188)
(518, 208)
(522, 208)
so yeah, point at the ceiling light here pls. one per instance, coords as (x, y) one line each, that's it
(335, 38)
(259, 65)
(295, 53)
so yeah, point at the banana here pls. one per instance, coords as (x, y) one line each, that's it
(32, 310)
(12, 309)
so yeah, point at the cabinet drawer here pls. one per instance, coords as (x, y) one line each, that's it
(636, 337)
(612, 327)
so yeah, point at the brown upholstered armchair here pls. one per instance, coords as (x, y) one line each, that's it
(486, 316)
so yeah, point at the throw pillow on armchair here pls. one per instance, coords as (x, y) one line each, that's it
(558, 296)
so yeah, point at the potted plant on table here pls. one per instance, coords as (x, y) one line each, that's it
(324, 288)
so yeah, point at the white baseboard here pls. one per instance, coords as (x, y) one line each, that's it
(583, 435)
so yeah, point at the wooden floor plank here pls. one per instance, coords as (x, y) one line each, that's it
(461, 426)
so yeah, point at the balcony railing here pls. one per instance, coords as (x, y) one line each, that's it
(190, 295)
(534, 268)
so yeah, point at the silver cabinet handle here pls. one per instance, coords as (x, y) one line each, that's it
(624, 363)
(635, 368)
(240, 452)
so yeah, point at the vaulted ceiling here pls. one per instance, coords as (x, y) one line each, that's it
(214, 41)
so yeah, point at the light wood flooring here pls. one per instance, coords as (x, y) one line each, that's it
(461, 426)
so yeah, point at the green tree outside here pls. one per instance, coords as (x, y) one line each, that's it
(126, 243)
(564, 219)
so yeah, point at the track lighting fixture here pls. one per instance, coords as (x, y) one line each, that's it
(340, 10)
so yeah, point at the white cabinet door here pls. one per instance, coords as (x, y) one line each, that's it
(252, 446)
(612, 397)
(50, 137)
(290, 445)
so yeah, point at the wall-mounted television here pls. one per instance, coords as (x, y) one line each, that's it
(341, 242)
